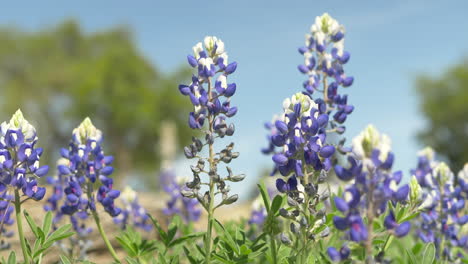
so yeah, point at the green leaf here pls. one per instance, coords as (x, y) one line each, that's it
(412, 258)
(388, 242)
(188, 254)
(162, 233)
(409, 217)
(182, 239)
(226, 237)
(244, 250)
(171, 232)
(222, 259)
(276, 204)
(417, 248)
(429, 253)
(131, 260)
(59, 234)
(65, 260)
(47, 223)
(265, 196)
(162, 258)
(31, 223)
(12, 258)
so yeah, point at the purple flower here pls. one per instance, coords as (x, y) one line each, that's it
(372, 187)
(338, 256)
(187, 208)
(19, 157)
(443, 215)
(132, 212)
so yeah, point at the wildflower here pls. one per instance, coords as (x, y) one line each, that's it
(85, 163)
(187, 208)
(442, 218)
(132, 210)
(19, 157)
(372, 186)
(83, 178)
(210, 93)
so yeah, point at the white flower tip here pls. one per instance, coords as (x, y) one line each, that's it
(86, 130)
(128, 194)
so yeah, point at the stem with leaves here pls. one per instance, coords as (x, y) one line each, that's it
(100, 228)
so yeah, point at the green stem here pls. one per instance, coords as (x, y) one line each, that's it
(209, 229)
(104, 237)
(273, 249)
(99, 226)
(19, 223)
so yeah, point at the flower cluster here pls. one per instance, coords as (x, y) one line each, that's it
(442, 217)
(210, 93)
(83, 164)
(132, 210)
(325, 57)
(302, 135)
(211, 102)
(19, 157)
(187, 208)
(210, 61)
(300, 139)
(55, 203)
(372, 186)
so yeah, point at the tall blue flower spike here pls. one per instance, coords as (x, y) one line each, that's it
(19, 170)
(83, 178)
(84, 165)
(304, 139)
(372, 185)
(443, 216)
(210, 92)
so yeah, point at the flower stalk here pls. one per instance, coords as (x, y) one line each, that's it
(19, 223)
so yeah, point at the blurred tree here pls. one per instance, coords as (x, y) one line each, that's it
(61, 75)
(444, 101)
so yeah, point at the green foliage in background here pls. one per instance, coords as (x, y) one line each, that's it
(60, 75)
(444, 101)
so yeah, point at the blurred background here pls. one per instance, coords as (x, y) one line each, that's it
(120, 64)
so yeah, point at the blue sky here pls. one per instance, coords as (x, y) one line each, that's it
(391, 42)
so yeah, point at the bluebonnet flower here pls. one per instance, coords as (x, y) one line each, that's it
(303, 140)
(210, 93)
(6, 209)
(132, 211)
(443, 218)
(463, 179)
(372, 186)
(82, 168)
(86, 164)
(325, 57)
(210, 61)
(340, 255)
(302, 136)
(19, 157)
(81, 242)
(188, 208)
